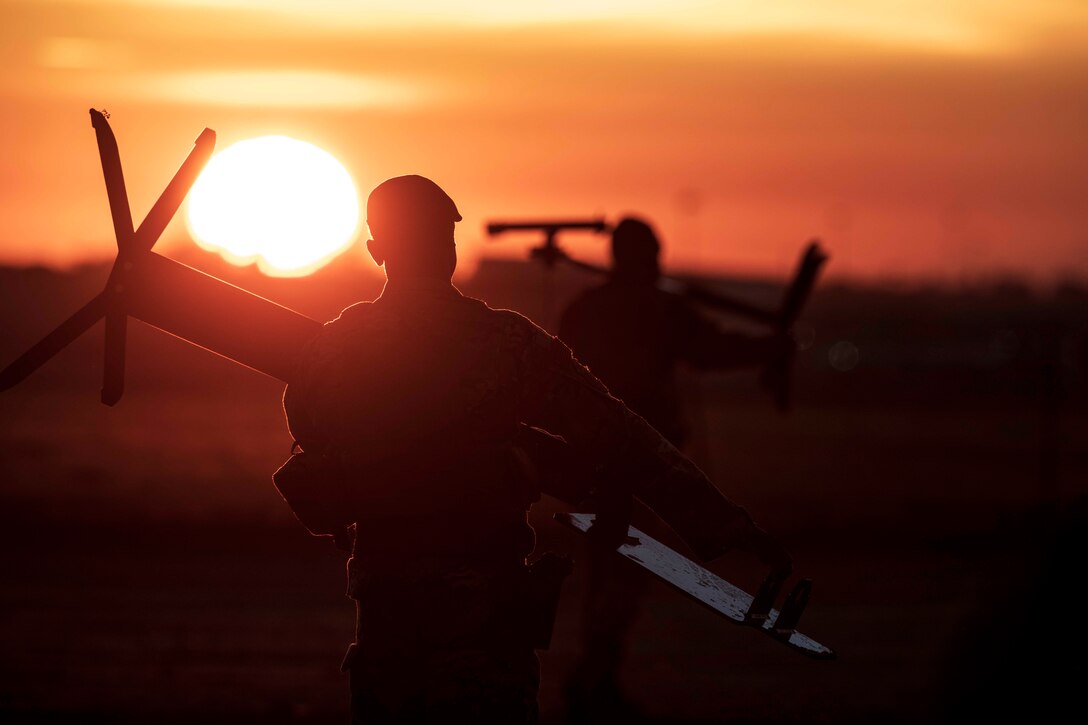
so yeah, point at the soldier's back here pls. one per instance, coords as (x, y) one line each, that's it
(418, 391)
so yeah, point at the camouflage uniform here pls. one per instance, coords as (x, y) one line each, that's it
(422, 395)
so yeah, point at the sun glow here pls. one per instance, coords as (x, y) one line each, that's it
(284, 204)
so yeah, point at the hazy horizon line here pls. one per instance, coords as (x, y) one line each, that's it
(995, 279)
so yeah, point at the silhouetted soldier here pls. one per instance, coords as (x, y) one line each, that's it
(420, 399)
(634, 337)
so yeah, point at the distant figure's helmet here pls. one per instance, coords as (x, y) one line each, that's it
(635, 249)
(409, 201)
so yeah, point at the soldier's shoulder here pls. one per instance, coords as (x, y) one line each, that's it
(592, 296)
(350, 318)
(683, 311)
(510, 321)
(518, 333)
(337, 332)
(352, 313)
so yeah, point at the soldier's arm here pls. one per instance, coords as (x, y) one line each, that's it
(300, 422)
(306, 400)
(312, 490)
(563, 397)
(705, 346)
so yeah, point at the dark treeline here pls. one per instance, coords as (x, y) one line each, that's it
(859, 339)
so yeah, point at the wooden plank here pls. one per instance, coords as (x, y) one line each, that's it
(705, 587)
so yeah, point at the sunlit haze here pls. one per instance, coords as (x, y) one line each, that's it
(918, 140)
(282, 203)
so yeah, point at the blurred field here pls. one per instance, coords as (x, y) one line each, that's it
(151, 572)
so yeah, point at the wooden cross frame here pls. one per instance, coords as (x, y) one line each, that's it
(180, 300)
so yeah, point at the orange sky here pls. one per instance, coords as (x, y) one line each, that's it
(917, 139)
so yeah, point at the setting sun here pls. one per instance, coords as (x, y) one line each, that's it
(284, 204)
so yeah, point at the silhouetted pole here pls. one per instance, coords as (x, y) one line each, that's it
(549, 253)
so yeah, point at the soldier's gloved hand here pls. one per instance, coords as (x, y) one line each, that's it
(609, 530)
(344, 538)
(768, 550)
(612, 518)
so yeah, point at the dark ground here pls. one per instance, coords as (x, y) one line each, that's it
(151, 573)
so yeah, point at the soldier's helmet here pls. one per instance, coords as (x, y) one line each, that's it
(409, 200)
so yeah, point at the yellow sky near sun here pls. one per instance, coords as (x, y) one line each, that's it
(918, 138)
(971, 26)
